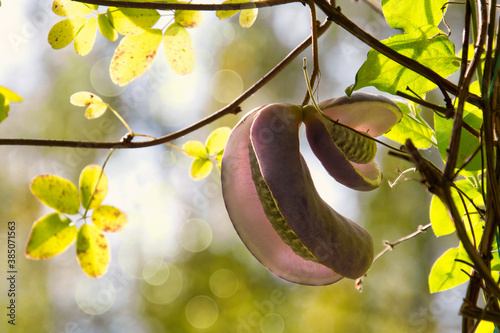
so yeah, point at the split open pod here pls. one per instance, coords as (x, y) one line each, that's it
(270, 196)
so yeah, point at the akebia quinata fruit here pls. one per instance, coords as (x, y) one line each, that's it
(270, 196)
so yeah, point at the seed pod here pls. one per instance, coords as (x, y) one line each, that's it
(345, 154)
(275, 208)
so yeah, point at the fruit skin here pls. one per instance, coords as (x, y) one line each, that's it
(341, 247)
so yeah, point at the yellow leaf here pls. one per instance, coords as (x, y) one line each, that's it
(188, 18)
(248, 17)
(10, 95)
(92, 189)
(84, 40)
(132, 21)
(50, 235)
(216, 140)
(84, 98)
(225, 14)
(106, 28)
(195, 149)
(92, 250)
(134, 56)
(63, 32)
(108, 218)
(95, 110)
(179, 49)
(68, 8)
(200, 168)
(56, 192)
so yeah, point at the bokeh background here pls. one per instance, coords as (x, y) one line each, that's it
(179, 266)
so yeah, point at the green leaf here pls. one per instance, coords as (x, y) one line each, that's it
(386, 75)
(106, 28)
(63, 32)
(396, 13)
(4, 108)
(217, 140)
(468, 142)
(446, 273)
(10, 95)
(441, 223)
(57, 193)
(248, 17)
(200, 168)
(225, 14)
(195, 148)
(134, 56)
(49, 236)
(108, 218)
(412, 128)
(188, 18)
(179, 49)
(92, 250)
(92, 189)
(68, 8)
(132, 21)
(85, 38)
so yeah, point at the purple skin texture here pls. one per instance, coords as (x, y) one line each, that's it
(341, 247)
(372, 114)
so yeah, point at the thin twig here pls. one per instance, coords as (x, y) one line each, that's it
(390, 245)
(232, 108)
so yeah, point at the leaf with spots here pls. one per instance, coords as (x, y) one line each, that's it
(93, 186)
(50, 235)
(134, 56)
(106, 28)
(57, 193)
(132, 21)
(68, 8)
(85, 38)
(92, 250)
(188, 18)
(248, 17)
(179, 49)
(63, 32)
(95, 106)
(108, 218)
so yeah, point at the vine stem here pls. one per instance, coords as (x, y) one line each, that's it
(232, 108)
(314, 47)
(189, 6)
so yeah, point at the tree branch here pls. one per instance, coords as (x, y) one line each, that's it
(340, 19)
(233, 108)
(189, 6)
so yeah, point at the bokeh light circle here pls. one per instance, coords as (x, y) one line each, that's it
(223, 283)
(95, 296)
(201, 312)
(155, 272)
(195, 235)
(165, 292)
(226, 85)
(272, 323)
